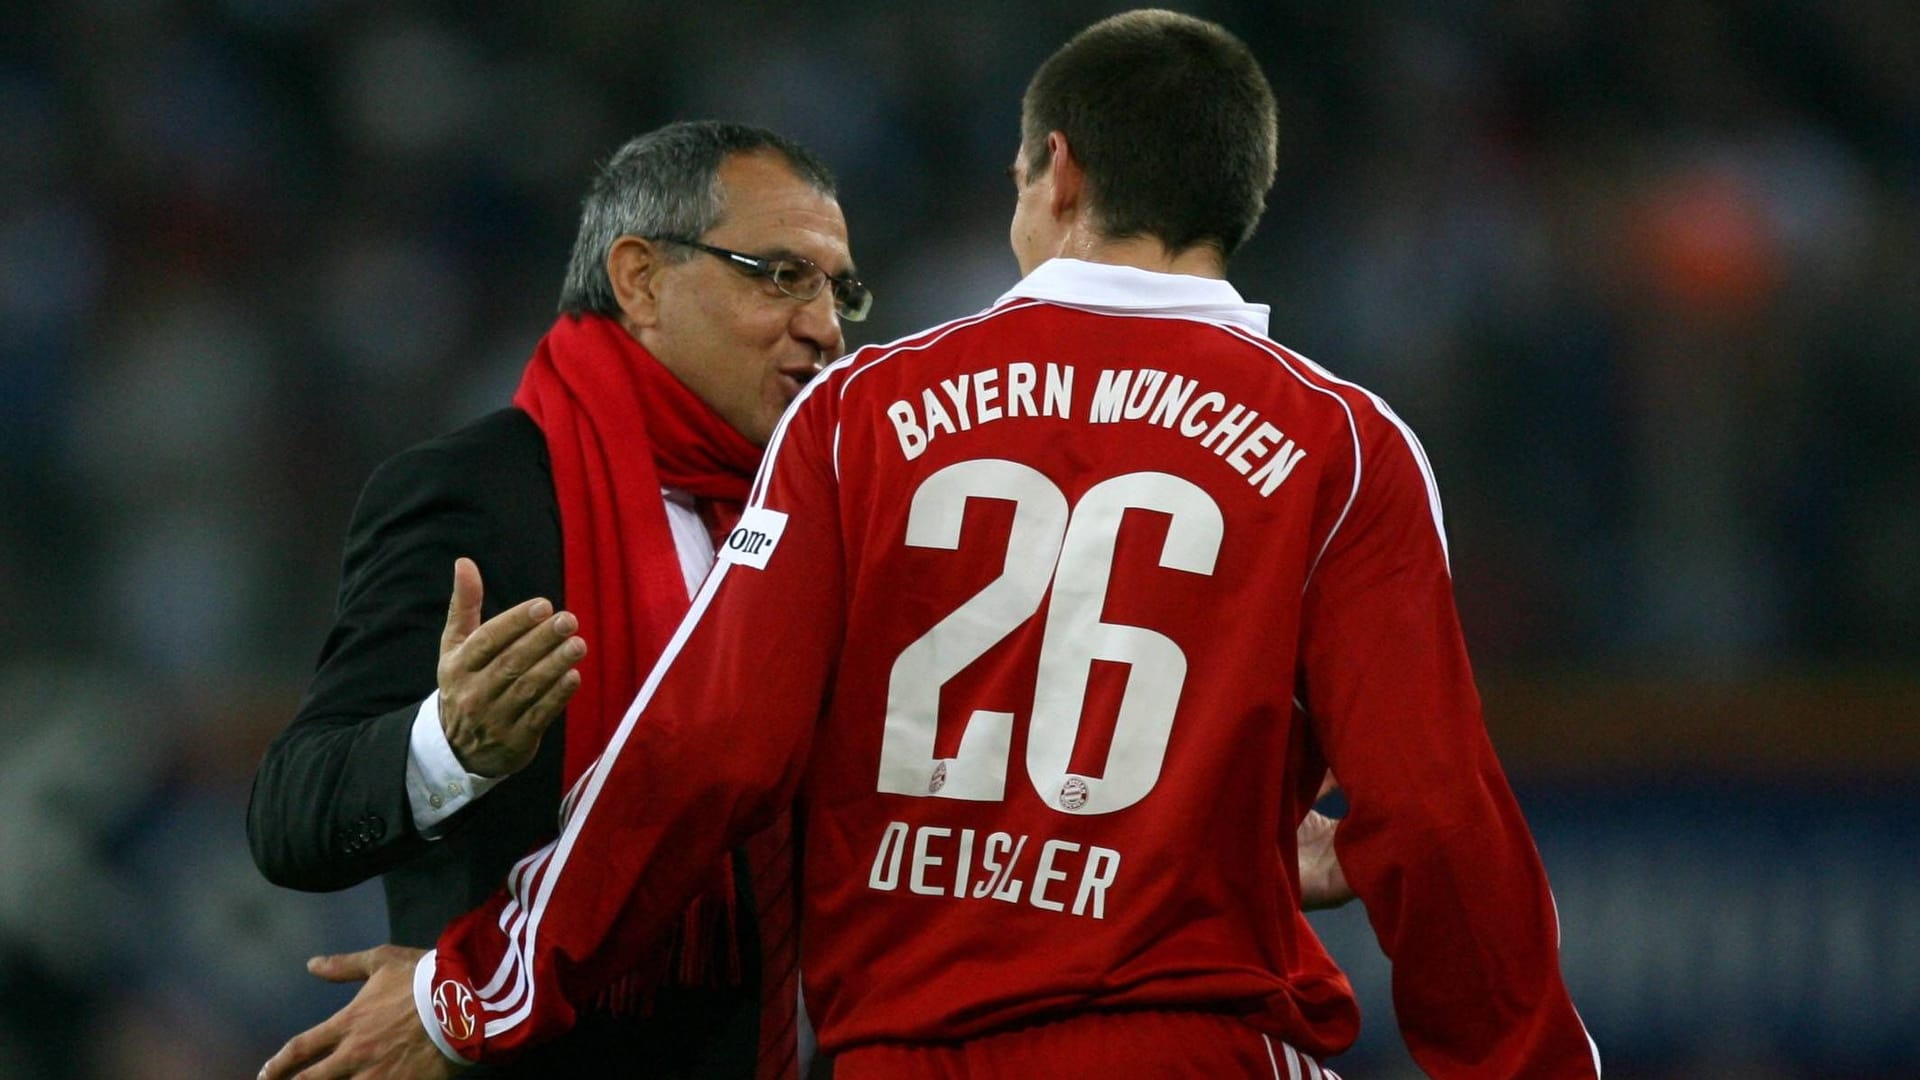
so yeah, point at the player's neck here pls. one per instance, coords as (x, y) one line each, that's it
(1143, 252)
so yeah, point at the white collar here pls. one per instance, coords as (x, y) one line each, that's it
(1107, 287)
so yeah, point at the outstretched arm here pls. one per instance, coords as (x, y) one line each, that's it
(714, 745)
(330, 804)
(502, 682)
(1433, 840)
(372, 765)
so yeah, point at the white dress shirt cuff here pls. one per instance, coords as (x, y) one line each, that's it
(438, 786)
(423, 1005)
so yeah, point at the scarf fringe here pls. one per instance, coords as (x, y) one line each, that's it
(703, 952)
(619, 427)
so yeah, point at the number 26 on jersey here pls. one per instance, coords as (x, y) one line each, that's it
(1070, 549)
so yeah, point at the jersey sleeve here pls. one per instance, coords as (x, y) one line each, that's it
(1433, 843)
(711, 749)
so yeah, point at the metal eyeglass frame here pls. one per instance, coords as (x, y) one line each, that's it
(852, 300)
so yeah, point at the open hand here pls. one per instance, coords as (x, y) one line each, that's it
(503, 681)
(377, 1035)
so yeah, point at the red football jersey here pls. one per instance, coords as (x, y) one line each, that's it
(1050, 620)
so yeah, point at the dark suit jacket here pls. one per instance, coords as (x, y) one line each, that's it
(330, 806)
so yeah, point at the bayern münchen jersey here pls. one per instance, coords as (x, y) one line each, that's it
(1050, 621)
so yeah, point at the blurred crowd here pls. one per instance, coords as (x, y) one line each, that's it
(1642, 275)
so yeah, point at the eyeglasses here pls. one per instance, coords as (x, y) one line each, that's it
(798, 277)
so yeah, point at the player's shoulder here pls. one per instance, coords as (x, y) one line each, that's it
(852, 370)
(1366, 410)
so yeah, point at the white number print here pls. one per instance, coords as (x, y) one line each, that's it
(1073, 552)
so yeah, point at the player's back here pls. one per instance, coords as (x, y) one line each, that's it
(1054, 618)
(1060, 768)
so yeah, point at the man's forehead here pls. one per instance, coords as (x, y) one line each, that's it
(749, 181)
(809, 225)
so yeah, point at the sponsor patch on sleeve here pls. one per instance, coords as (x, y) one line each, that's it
(752, 541)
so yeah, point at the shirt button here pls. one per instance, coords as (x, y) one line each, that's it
(434, 800)
(453, 788)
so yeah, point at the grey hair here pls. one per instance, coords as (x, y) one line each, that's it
(666, 183)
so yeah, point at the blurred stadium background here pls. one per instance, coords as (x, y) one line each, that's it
(1644, 275)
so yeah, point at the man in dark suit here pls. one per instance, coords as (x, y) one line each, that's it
(707, 283)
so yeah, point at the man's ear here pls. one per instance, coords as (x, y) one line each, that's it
(1064, 173)
(633, 265)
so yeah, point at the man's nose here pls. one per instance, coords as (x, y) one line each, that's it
(816, 322)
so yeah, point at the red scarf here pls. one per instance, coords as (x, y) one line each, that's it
(619, 427)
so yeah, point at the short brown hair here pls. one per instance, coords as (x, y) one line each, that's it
(1173, 121)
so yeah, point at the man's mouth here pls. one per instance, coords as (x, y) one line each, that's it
(803, 374)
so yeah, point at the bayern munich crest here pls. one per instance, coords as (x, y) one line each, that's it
(453, 1007)
(1073, 793)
